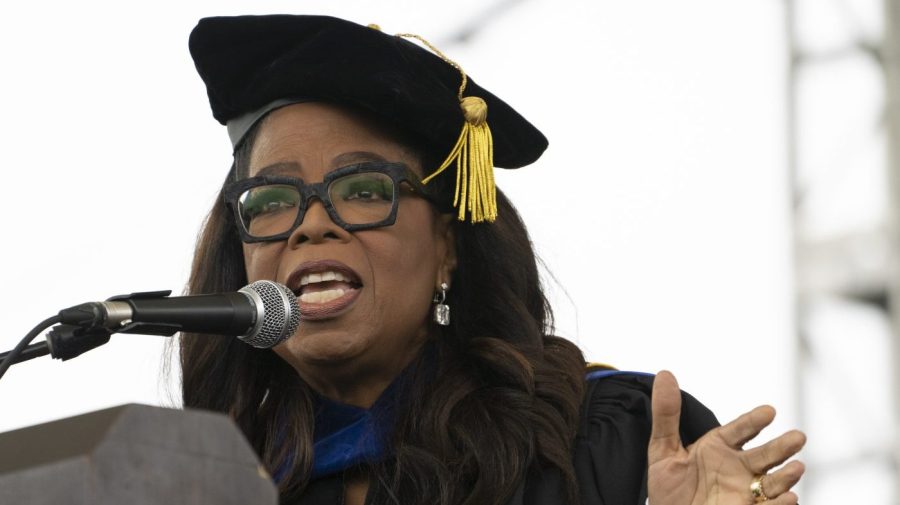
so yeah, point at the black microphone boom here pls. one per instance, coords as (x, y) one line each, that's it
(262, 314)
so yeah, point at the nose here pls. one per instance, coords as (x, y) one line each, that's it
(317, 226)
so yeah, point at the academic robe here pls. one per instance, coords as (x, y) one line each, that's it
(610, 452)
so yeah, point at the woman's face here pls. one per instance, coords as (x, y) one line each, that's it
(366, 295)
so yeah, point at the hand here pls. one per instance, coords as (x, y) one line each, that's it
(715, 470)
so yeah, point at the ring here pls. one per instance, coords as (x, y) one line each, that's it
(756, 489)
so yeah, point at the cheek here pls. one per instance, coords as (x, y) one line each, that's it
(405, 268)
(260, 261)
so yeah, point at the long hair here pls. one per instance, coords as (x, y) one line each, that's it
(496, 399)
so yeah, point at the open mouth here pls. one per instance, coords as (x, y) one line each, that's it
(324, 288)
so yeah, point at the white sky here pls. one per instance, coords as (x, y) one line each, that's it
(660, 206)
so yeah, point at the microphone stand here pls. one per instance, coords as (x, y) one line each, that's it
(64, 342)
(67, 341)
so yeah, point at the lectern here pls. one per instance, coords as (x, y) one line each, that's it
(134, 455)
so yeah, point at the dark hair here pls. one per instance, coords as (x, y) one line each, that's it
(502, 396)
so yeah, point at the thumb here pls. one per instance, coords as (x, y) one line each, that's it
(665, 404)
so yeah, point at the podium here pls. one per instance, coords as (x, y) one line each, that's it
(135, 455)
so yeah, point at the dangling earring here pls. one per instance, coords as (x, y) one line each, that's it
(442, 310)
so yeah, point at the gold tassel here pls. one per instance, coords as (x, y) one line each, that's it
(474, 157)
(476, 192)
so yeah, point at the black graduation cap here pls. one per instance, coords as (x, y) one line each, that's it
(254, 64)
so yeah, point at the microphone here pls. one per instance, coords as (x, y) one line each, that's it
(262, 314)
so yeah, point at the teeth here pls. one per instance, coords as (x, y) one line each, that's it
(322, 296)
(323, 277)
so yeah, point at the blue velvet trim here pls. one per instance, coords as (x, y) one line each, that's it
(600, 374)
(347, 436)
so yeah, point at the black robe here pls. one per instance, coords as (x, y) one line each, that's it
(610, 454)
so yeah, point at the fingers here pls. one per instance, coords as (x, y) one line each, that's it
(775, 452)
(781, 481)
(666, 408)
(738, 432)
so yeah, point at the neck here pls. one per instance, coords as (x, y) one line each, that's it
(357, 384)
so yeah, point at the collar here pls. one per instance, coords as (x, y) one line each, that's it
(346, 436)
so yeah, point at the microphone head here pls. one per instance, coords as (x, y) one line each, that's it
(278, 314)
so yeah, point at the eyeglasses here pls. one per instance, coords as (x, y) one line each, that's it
(357, 197)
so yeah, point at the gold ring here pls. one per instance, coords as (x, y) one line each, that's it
(756, 489)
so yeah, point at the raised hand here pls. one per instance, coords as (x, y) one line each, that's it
(715, 470)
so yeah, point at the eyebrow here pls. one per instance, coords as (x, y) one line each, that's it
(342, 160)
(281, 168)
(355, 157)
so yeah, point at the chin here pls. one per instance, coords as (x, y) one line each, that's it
(321, 349)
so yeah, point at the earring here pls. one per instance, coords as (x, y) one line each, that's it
(442, 310)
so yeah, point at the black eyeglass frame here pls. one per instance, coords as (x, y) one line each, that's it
(398, 172)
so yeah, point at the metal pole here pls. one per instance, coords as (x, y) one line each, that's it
(891, 62)
(795, 196)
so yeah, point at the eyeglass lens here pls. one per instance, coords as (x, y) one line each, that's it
(358, 199)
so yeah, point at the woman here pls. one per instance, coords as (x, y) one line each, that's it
(343, 190)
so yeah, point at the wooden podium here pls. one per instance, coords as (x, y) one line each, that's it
(134, 455)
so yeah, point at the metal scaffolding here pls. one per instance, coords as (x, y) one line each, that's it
(891, 61)
(852, 265)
